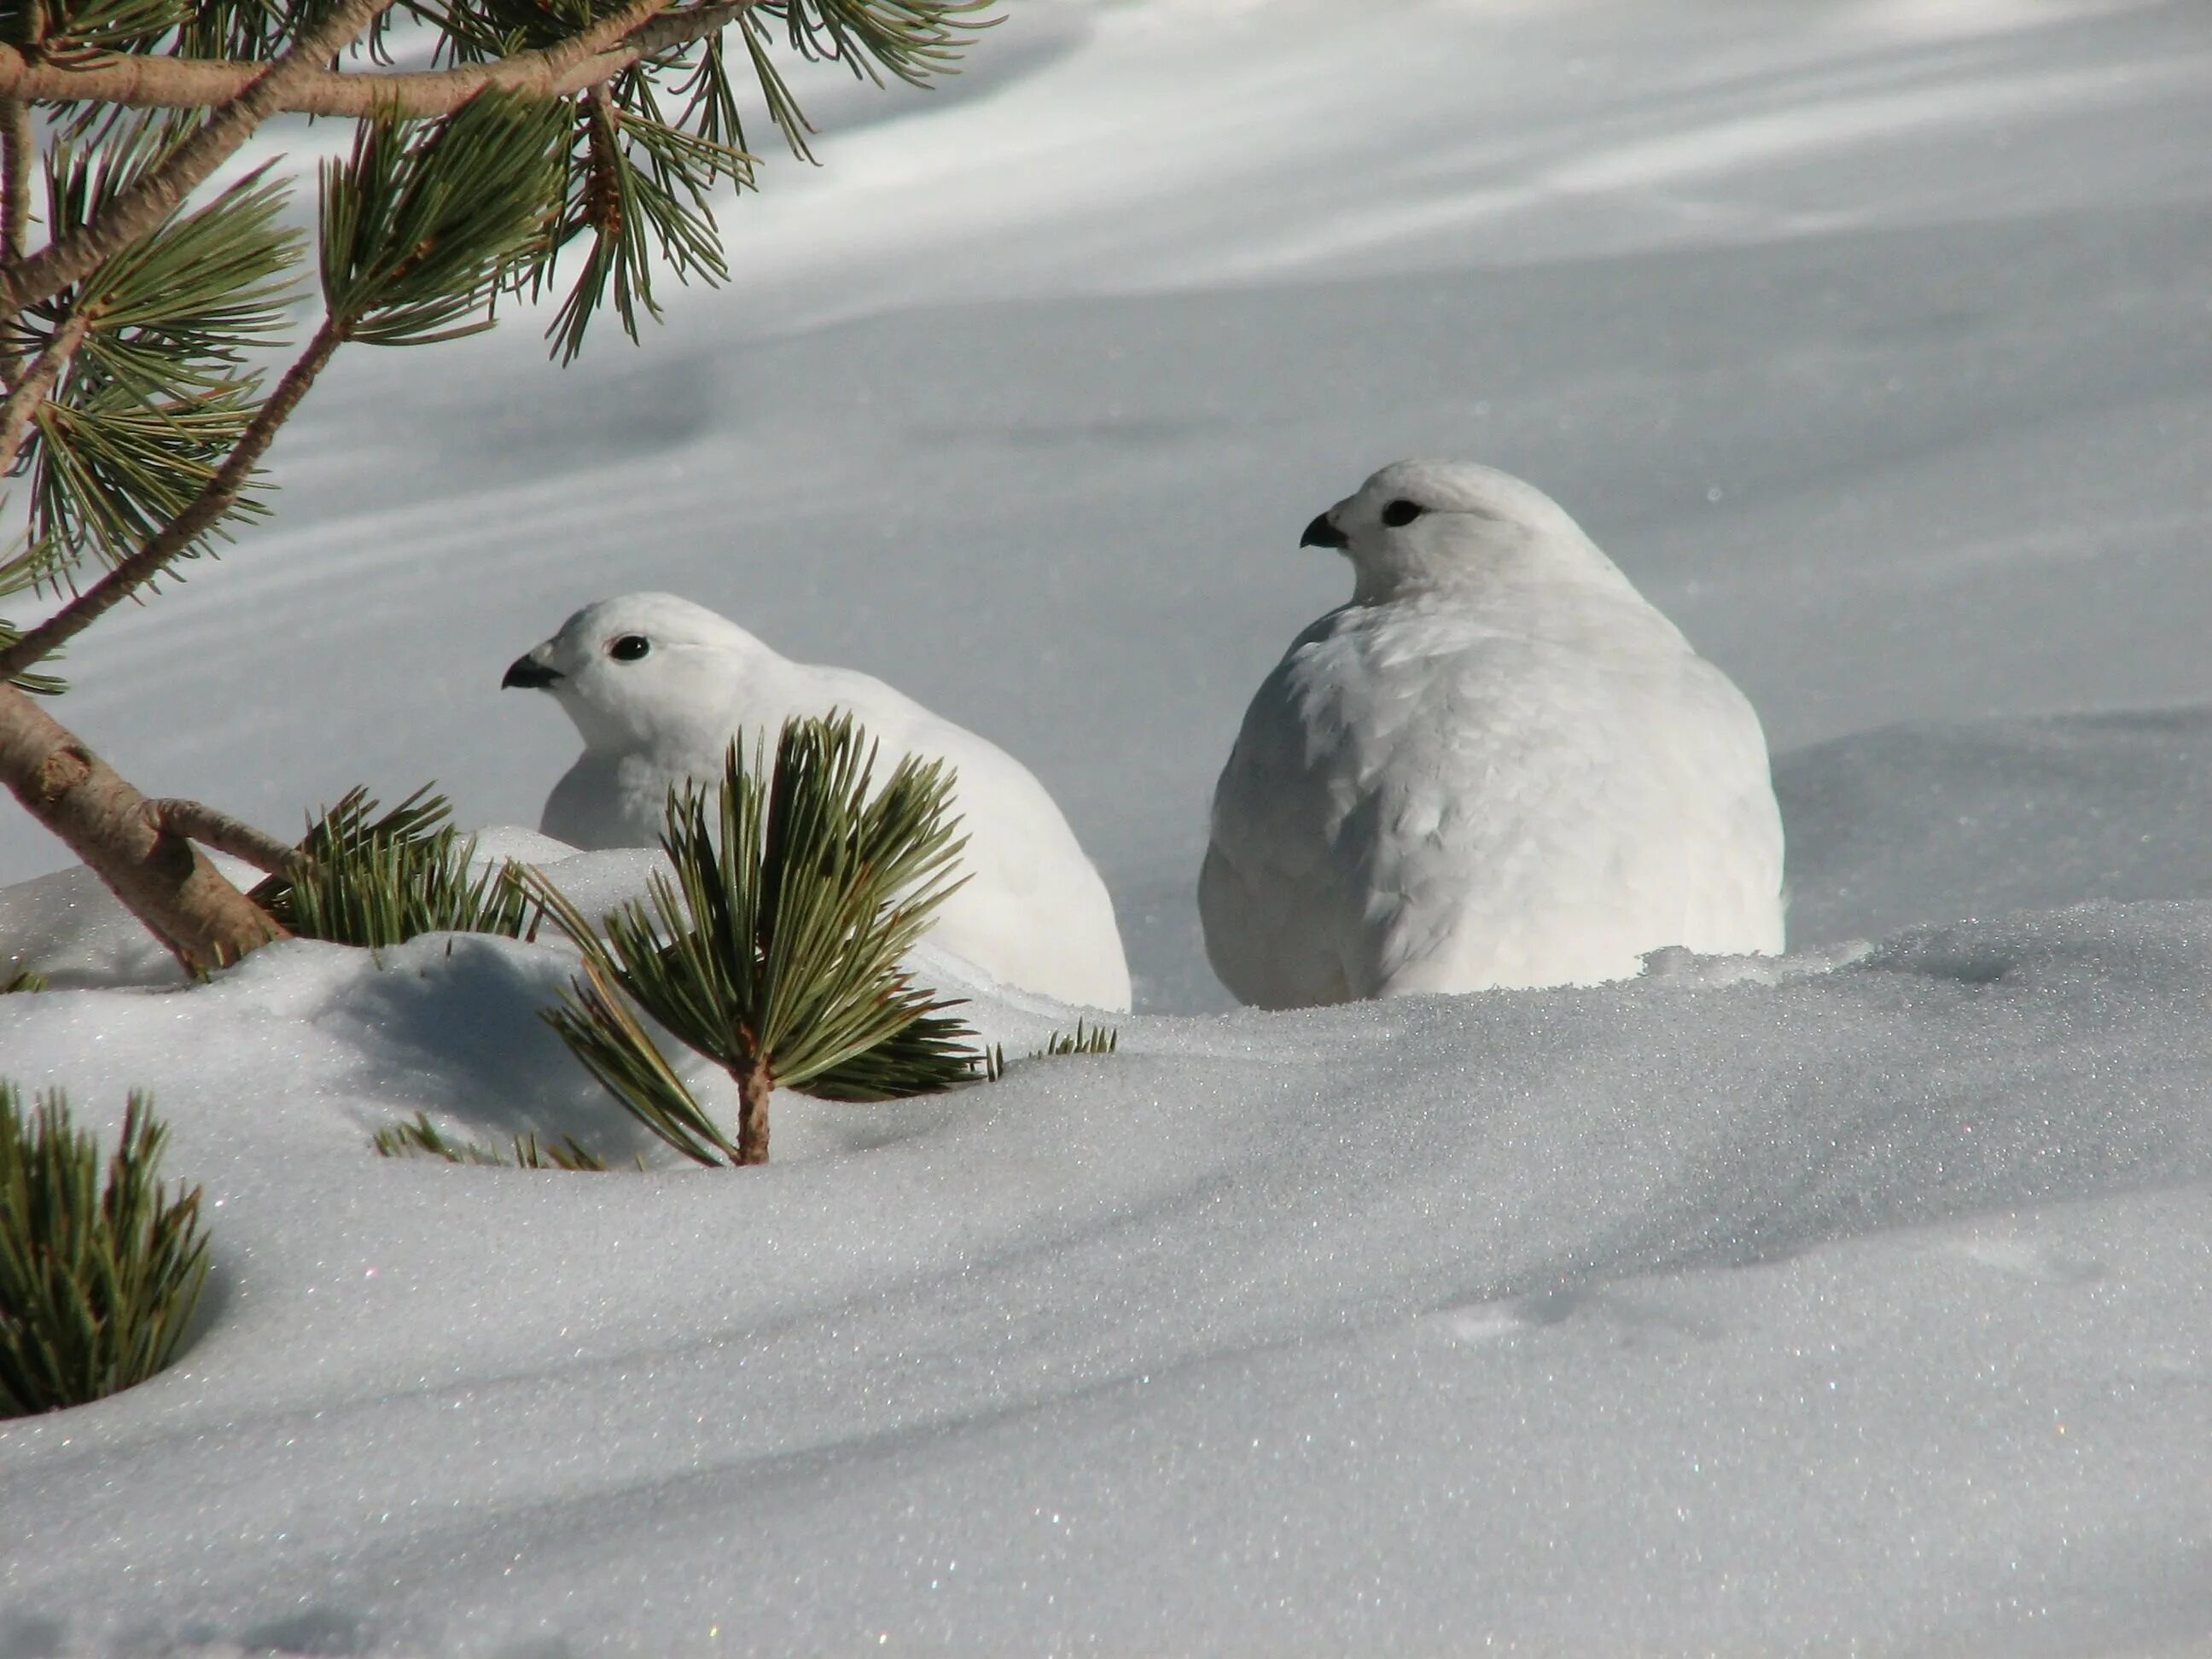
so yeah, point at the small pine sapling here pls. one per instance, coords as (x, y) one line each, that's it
(97, 1283)
(775, 952)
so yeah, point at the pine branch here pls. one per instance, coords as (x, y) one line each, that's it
(18, 149)
(18, 145)
(21, 143)
(162, 879)
(219, 496)
(27, 393)
(599, 53)
(205, 824)
(68, 259)
(423, 223)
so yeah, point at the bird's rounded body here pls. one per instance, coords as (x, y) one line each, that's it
(1505, 771)
(1033, 912)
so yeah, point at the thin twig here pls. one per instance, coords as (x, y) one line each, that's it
(146, 203)
(199, 821)
(25, 395)
(150, 82)
(216, 498)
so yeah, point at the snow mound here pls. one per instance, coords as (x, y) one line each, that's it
(1938, 820)
(1495, 1293)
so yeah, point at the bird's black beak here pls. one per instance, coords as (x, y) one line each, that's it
(1322, 533)
(529, 673)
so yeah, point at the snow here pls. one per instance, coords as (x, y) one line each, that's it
(1855, 1302)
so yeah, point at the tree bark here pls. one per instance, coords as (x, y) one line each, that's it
(18, 150)
(161, 877)
(28, 389)
(203, 823)
(143, 82)
(755, 1084)
(24, 283)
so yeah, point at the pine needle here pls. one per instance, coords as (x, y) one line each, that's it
(776, 951)
(98, 1282)
(378, 881)
(422, 1139)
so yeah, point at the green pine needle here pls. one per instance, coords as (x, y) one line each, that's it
(614, 1047)
(423, 1139)
(98, 1282)
(160, 387)
(639, 188)
(377, 881)
(800, 887)
(1090, 1040)
(1095, 1040)
(175, 312)
(423, 224)
(38, 685)
(111, 25)
(110, 469)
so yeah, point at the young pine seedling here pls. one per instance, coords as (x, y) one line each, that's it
(775, 952)
(98, 1281)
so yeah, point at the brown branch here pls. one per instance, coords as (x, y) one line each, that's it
(216, 498)
(135, 212)
(17, 144)
(152, 82)
(25, 396)
(22, 144)
(199, 821)
(161, 877)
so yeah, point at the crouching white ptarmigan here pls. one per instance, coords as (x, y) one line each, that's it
(657, 687)
(1497, 766)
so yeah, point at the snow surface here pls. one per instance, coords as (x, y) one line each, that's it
(1855, 1302)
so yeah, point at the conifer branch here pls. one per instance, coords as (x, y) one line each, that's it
(220, 494)
(18, 149)
(18, 145)
(199, 821)
(161, 877)
(135, 214)
(140, 82)
(26, 394)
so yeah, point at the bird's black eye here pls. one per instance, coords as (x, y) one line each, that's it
(1402, 512)
(629, 647)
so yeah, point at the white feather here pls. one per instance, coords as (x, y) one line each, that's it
(1497, 766)
(1033, 913)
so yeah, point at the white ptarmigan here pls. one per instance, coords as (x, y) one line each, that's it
(658, 686)
(1497, 766)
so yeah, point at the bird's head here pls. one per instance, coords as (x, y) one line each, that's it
(641, 671)
(1437, 523)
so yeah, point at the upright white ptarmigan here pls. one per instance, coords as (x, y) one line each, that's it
(658, 686)
(1497, 766)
